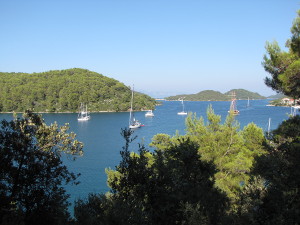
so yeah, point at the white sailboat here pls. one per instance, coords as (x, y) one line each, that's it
(248, 104)
(133, 123)
(182, 112)
(149, 113)
(83, 114)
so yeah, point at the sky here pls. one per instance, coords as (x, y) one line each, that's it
(162, 47)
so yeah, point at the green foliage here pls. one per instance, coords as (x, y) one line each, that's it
(95, 210)
(295, 39)
(162, 141)
(280, 168)
(284, 66)
(232, 151)
(280, 203)
(161, 187)
(281, 171)
(32, 174)
(210, 95)
(250, 198)
(291, 79)
(65, 90)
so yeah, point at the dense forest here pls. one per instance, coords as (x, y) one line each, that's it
(210, 95)
(65, 90)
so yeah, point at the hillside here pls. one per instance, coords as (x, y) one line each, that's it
(210, 95)
(277, 96)
(244, 94)
(207, 95)
(64, 90)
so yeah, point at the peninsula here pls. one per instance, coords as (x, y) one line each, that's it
(65, 90)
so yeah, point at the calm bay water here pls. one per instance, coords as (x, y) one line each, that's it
(103, 142)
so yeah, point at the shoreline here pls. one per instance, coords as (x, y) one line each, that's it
(144, 110)
(175, 100)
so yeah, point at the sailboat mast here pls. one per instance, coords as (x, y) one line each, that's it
(130, 115)
(269, 126)
(232, 104)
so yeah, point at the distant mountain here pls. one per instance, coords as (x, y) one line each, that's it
(277, 96)
(207, 95)
(210, 95)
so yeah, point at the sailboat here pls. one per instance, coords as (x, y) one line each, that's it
(248, 104)
(133, 123)
(182, 112)
(233, 108)
(83, 114)
(149, 113)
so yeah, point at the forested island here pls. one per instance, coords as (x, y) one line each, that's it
(210, 95)
(65, 90)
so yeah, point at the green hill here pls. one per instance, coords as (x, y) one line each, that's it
(210, 95)
(207, 95)
(64, 90)
(244, 94)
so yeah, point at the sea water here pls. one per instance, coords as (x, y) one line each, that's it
(103, 141)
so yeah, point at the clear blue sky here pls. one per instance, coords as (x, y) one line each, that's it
(163, 47)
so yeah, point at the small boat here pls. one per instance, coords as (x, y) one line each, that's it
(182, 112)
(233, 108)
(83, 114)
(133, 123)
(149, 113)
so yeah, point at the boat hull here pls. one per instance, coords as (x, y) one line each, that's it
(234, 112)
(84, 118)
(135, 125)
